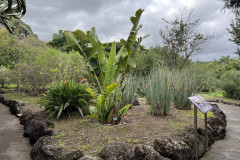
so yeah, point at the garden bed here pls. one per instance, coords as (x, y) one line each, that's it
(138, 126)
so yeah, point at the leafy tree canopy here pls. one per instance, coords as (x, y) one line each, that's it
(59, 42)
(235, 31)
(231, 4)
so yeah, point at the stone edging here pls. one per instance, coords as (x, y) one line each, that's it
(222, 101)
(164, 148)
(40, 132)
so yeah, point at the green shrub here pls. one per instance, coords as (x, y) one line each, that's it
(157, 89)
(65, 97)
(4, 76)
(230, 83)
(186, 82)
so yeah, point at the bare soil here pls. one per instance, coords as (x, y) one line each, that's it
(138, 126)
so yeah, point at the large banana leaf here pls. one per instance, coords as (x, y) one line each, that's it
(73, 41)
(128, 46)
(110, 66)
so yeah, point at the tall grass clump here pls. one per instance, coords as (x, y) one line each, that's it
(128, 89)
(157, 89)
(186, 82)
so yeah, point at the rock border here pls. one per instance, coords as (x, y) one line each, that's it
(40, 132)
(222, 101)
(164, 148)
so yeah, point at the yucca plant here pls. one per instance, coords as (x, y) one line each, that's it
(66, 97)
(186, 82)
(158, 91)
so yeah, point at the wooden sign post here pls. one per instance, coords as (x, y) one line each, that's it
(204, 107)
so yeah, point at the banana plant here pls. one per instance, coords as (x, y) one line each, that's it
(104, 112)
(108, 71)
(89, 46)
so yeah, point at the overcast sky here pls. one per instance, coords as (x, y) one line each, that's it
(111, 19)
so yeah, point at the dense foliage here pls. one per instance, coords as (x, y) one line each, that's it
(230, 83)
(65, 97)
(59, 42)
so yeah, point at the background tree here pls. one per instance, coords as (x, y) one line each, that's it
(59, 42)
(231, 4)
(235, 31)
(182, 38)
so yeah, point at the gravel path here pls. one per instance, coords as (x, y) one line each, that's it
(228, 148)
(13, 146)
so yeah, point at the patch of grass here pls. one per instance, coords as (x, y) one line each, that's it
(85, 147)
(199, 113)
(24, 97)
(98, 149)
(177, 124)
(60, 135)
(136, 141)
(61, 143)
(215, 94)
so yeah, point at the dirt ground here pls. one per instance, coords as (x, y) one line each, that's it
(138, 126)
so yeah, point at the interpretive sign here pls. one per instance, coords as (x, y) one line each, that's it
(201, 104)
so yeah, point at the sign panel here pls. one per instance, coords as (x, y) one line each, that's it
(201, 104)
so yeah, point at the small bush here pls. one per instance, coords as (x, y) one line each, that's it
(65, 97)
(157, 89)
(230, 83)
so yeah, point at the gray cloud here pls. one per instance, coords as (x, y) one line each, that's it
(111, 19)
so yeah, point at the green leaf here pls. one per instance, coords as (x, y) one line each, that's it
(123, 110)
(66, 105)
(110, 66)
(52, 114)
(90, 91)
(101, 57)
(60, 111)
(80, 111)
(73, 42)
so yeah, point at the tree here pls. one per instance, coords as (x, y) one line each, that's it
(235, 32)
(11, 9)
(59, 42)
(183, 39)
(231, 4)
